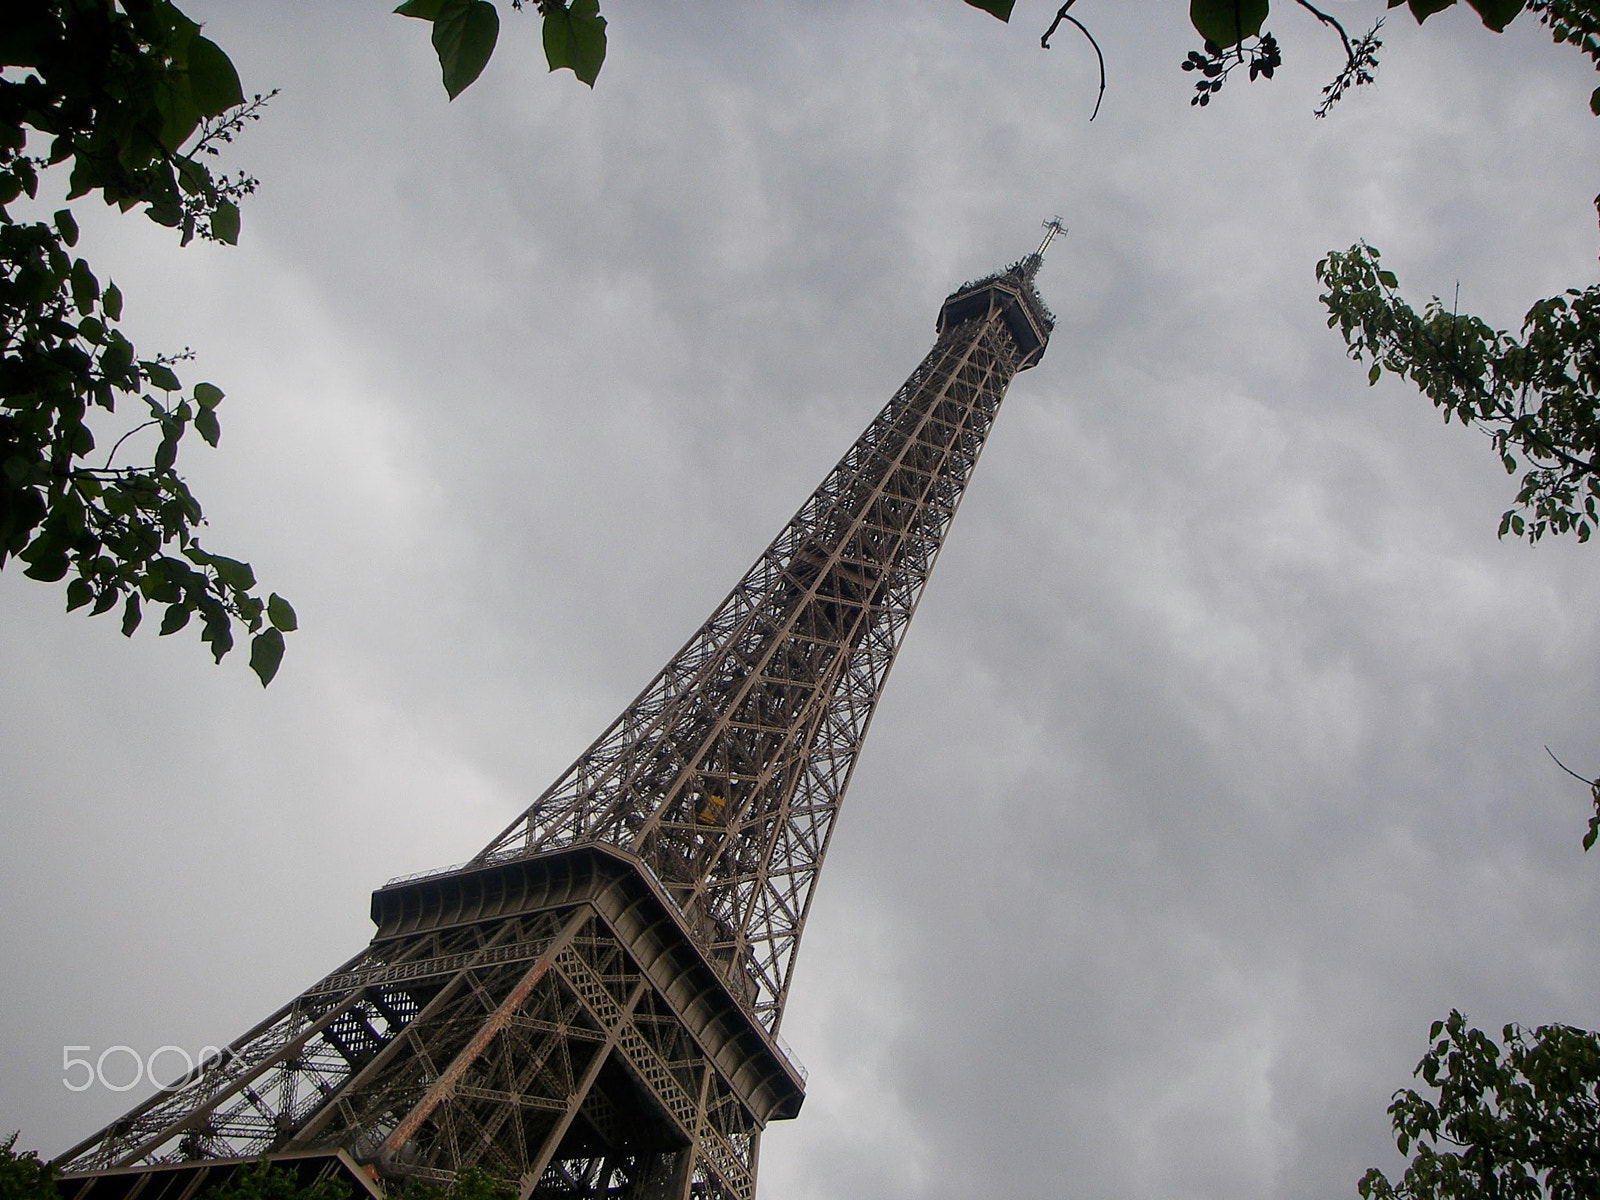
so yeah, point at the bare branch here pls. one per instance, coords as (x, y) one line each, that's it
(1055, 25)
(1062, 16)
(1567, 769)
(1327, 20)
(125, 437)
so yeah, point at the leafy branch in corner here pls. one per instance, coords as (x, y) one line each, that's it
(1216, 64)
(465, 33)
(1519, 1121)
(1593, 785)
(133, 102)
(1233, 36)
(1537, 396)
(1576, 22)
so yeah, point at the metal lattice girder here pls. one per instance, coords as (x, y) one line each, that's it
(589, 1008)
(556, 1084)
(725, 775)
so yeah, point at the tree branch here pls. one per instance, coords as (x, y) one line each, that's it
(1350, 54)
(1474, 386)
(1061, 16)
(1567, 769)
(125, 437)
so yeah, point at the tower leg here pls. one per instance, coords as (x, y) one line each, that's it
(578, 1046)
(689, 1159)
(470, 1053)
(580, 1093)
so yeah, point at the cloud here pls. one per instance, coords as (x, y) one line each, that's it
(1212, 768)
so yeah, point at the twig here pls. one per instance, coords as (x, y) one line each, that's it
(1360, 60)
(125, 437)
(1061, 16)
(1349, 54)
(1567, 769)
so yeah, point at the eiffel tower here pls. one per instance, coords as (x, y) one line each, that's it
(590, 1007)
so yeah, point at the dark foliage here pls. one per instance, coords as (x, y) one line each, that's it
(127, 99)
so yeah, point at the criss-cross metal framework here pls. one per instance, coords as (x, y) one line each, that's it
(725, 775)
(590, 1006)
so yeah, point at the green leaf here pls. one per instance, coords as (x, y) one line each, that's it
(67, 227)
(225, 222)
(575, 38)
(1423, 9)
(423, 10)
(219, 636)
(464, 34)
(79, 593)
(131, 614)
(1388, 279)
(995, 8)
(1497, 14)
(160, 376)
(266, 652)
(193, 177)
(48, 568)
(175, 618)
(111, 302)
(85, 288)
(232, 572)
(205, 421)
(208, 395)
(1594, 102)
(1226, 23)
(213, 82)
(166, 454)
(179, 113)
(281, 614)
(46, 559)
(180, 29)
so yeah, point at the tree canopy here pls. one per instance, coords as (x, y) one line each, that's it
(1514, 1122)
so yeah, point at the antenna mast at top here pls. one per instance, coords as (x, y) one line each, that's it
(1051, 227)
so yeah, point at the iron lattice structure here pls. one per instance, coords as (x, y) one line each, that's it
(590, 1006)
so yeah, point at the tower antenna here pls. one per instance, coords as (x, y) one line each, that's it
(1051, 227)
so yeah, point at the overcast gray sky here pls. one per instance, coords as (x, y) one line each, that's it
(1212, 768)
